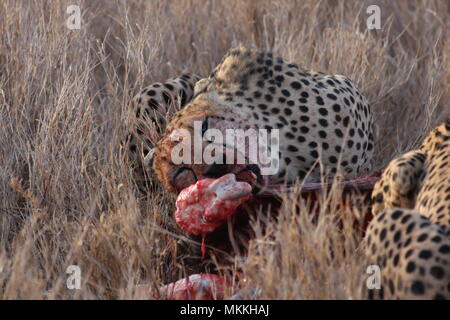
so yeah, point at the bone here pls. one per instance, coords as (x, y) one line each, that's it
(227, 188)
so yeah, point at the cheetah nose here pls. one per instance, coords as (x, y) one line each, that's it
(215, 170)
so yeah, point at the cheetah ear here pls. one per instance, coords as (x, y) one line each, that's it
(148, 159)
(200, 86)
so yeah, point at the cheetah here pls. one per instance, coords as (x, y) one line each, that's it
(409, 238)
(324, 122)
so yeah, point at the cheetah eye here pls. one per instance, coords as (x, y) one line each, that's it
(205, 125)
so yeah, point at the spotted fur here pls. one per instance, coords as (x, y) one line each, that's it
(152, 108)
(410, 237)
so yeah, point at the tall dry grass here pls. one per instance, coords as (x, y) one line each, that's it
(67, 195)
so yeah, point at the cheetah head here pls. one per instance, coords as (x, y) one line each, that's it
(189, 131)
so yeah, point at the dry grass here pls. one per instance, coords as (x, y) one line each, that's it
(66, 189)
